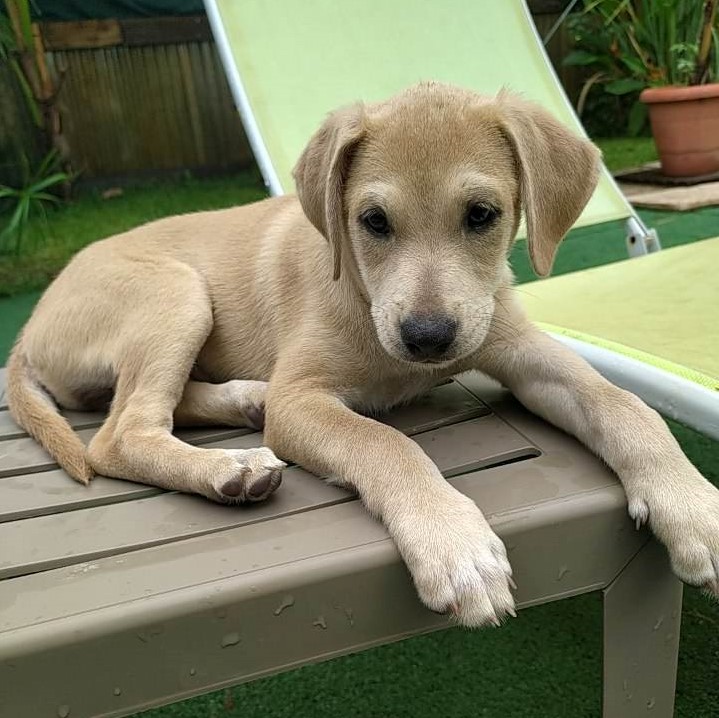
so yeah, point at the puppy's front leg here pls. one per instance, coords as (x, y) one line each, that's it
(457, 562)
(661, 484)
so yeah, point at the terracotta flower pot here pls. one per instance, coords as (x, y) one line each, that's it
(685, 125)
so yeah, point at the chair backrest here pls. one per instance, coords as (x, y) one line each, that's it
(289, 63)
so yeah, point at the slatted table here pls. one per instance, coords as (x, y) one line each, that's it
(119, 597)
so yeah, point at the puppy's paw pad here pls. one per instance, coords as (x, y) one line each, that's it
(258, 474)
(255, 416)
(264, 485)
(235, 487)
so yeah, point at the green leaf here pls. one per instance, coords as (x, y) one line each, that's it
(13, 223)
(23, 8)
(624, 86)
(581, 58)
(637, 118)
(26, 204)
(8, 192)
(633, 65)
(49, 162)
(47, 182)
(27, 93)
(41, 197)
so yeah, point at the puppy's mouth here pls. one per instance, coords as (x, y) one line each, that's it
(444, 358)
(435, 357)
(439, 357)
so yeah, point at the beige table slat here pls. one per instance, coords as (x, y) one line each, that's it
(45, 542)
(445, 403)
(455, 448)
(50, 492)
(73, 537)
(176, 620)
(442, 405)
(8, 428)
(475, 444)
(306, 576)
(235, 605)
(565, 482)
(252, 548)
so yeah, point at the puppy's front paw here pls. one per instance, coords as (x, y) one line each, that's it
(253, 476)
(459, 565)
(684, 516)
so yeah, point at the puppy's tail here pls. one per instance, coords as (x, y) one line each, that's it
(32, 408)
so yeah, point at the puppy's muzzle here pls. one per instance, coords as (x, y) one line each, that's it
(428, 337)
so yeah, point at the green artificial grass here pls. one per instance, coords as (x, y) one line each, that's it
(547, 662)
(14, 312)
(49, 245)
(624, 152)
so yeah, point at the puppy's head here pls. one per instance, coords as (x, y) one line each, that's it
(421, 196)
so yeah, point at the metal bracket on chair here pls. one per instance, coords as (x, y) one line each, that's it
(640, 239)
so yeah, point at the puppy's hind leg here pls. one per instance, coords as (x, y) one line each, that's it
(136, 442)
(232, 403)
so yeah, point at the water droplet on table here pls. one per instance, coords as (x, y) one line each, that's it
(287, 602)
(230, 639)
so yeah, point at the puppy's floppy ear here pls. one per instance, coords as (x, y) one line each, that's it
(558, 173)
(320, 174)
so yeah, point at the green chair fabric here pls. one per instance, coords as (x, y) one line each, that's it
(647, 323)
(290, 63)
(660, 309)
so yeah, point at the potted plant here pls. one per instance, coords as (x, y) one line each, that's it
(662, 55)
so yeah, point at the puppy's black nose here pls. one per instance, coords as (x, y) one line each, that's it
(428, 336)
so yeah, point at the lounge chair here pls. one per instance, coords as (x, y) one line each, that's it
(120, 596)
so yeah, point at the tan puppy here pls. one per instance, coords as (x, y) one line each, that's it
(386, 274)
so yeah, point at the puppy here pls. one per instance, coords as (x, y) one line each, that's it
(385, 274)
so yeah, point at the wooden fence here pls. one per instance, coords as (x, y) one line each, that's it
(141, 97)
(148, 96)
(145, 95)
(16, 128)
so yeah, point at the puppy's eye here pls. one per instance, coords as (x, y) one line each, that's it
(479, 216)
(375, 221)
